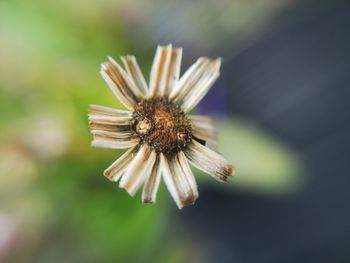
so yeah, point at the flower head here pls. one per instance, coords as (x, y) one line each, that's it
(161, 137)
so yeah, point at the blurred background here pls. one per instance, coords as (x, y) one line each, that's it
(283, 113)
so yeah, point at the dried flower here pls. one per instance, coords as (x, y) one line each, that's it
(161, 137)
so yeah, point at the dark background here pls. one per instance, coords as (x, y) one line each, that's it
(294, 81)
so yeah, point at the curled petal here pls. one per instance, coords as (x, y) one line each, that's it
(134, 72)
(138, 170)
(120, 84)
(117, 135)
(179, 180)
(188, 79)
(108, 122)
(183, 168)
(116, 169)
(159, 71)
(203, 128)
(195, 83)
(151, 185)
(97, 126)
(113, 140)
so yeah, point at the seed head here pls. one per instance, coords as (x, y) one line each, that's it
(162, 125)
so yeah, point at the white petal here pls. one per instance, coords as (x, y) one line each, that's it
(96, 126)
(111, 128)
(203, 128)
(107, 111)
(173, 71)
(117, 135)
(178, 181)
(209, 161)
(195, 83)
(133, 89)
(120, 84)
(113, 143)
(187, 174)
(116, 169)
(206, 140)
(109, 116)
(201, 119)
(110, 120)
(138, 170)
(151, 185)
(134, 72)
(159, 71)
(189, 78)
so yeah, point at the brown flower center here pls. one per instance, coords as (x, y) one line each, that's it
(162, 125)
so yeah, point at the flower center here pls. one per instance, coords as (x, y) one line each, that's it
(162, 125)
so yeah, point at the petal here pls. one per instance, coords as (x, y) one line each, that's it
(112, 144)
(107, 111)
(195, 83)
(209, 161)
(173, 71)
(117, 135)
(116, 169)
(189, 78)
(111, 128)
(138, 170)
(203, 128)
(120, 84)
(188, 176)
(179, 180)
(151, 186)
(131, 86)
(108, 140)
(110, 120)
(159, 71)
(199, 119)
(108, 127)
(134, 72)
(109, 116)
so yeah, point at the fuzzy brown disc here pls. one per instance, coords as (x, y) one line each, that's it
(162, 125)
